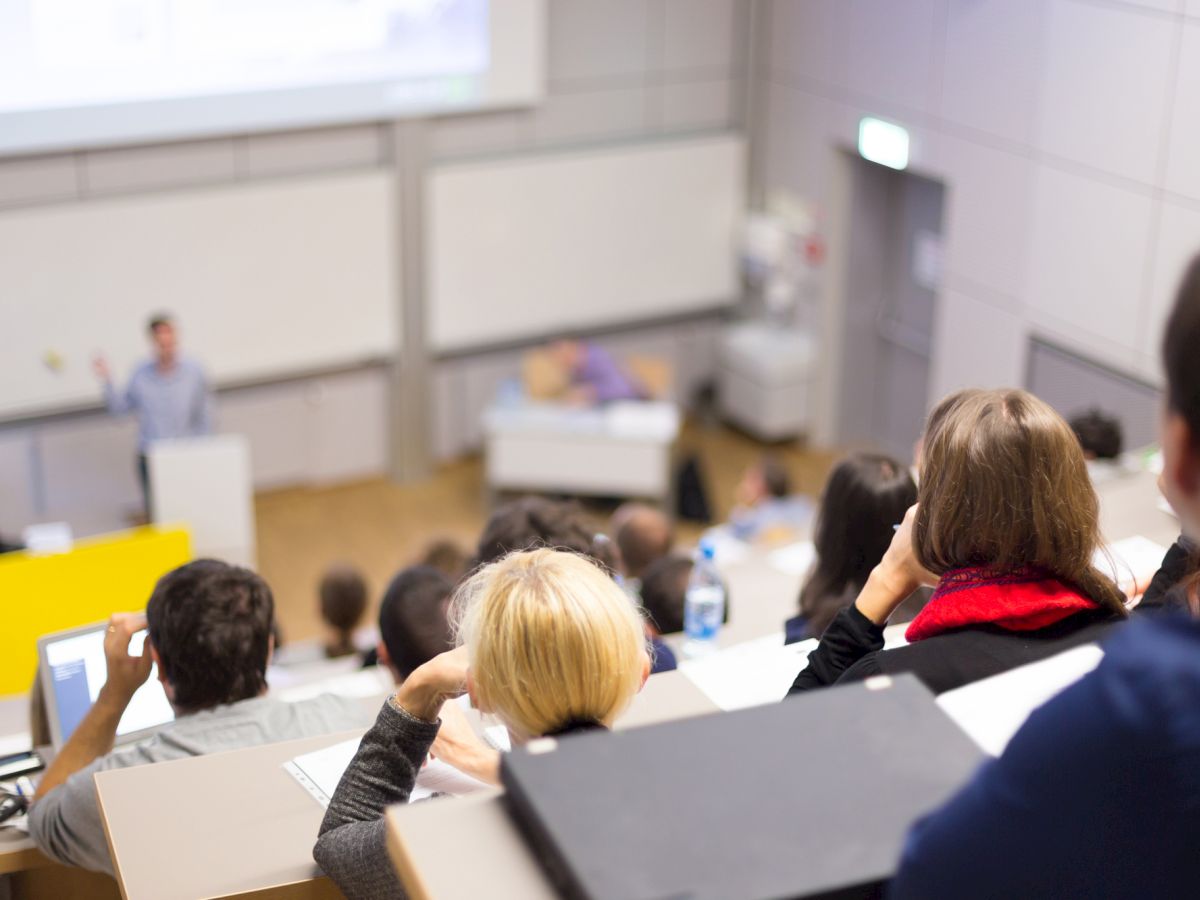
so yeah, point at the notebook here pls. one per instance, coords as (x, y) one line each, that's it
(807, 797)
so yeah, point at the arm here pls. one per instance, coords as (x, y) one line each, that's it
(858, 631)
(117, 403)
(351, 846)
(65, 819)
(1175, 567)
(203, 414)
(1080, 791)
(95, 735)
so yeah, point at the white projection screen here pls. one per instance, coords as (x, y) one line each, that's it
(85, 73)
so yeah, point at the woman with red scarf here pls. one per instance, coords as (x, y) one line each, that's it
(1005, 525)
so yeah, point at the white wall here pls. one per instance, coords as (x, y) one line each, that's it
(618, 71)
(1065, 130)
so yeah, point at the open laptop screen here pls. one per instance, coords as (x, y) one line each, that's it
(74, 670)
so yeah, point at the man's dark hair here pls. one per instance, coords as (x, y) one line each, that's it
(664, 585)
(1181, 351)
(211, 625)
(643, 534)
(413, 618)
(343, 596)
(775, 477)
(1099, 434)
(664, 589)
(533, 522)
(157, 321)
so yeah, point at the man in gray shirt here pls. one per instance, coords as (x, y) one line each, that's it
(209, 632)
(169, 394)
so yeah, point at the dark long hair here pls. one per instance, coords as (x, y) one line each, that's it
(1181, 344)
(866, 495)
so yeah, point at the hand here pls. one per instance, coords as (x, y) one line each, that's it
(125, 673)
(457, 745)
(897, 575)
(100, 367)
(899, 567)
(442, 678)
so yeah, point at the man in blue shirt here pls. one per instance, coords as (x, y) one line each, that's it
(1098, 794)
(169, 394)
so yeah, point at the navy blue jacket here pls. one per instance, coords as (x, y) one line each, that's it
(1098, 794)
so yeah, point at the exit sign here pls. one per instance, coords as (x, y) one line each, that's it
(883, 142)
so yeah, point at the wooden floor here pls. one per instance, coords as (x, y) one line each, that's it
(381, 526)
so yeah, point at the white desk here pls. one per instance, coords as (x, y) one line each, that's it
(623, 449)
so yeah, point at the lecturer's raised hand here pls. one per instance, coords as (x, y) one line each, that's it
(101, 368)
(126, 673)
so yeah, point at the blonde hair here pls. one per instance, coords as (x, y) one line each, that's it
(1004, 485)
(552, 640)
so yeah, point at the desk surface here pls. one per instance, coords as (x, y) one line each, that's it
(214, 826)
(247, 825)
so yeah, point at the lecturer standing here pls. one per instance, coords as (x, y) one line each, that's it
(169, 394)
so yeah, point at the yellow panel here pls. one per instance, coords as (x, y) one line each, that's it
(100, 576)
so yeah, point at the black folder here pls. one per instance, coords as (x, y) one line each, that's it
(808, 797)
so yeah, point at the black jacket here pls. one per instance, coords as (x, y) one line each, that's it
(852, 647)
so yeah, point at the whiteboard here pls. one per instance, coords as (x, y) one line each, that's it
(265, 279)
(535, 245)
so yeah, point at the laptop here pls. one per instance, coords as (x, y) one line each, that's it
(72, 670)
(808, 797)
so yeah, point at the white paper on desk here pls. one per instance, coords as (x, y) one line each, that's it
(1133, 564)
(320, 771)
(749, 674)
(794, 559)
(373, 681)
(992, 710)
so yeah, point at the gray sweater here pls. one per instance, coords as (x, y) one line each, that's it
(352, 845)
(66, 825)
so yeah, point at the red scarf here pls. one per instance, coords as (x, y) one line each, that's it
(1024, 600)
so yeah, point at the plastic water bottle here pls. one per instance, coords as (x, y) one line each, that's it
(703, 604)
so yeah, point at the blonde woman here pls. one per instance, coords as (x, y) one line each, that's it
(549, 645)
(1006, 525)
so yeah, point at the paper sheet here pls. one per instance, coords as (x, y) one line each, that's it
(749, 674)
(992, 710)
(1134, 560)
(320, 771)
(794, 559)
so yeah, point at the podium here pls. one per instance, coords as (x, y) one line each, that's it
(205, 482)
(623, 449)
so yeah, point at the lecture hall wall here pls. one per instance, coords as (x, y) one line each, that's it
(1066, 131)
(618, 71)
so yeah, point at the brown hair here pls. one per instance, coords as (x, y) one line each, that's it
(1004, 485)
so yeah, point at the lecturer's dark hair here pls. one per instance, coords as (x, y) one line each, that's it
(865, 496)
(157, 321)
(211, 625)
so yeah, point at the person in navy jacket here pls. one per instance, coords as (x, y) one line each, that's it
(1098, 794)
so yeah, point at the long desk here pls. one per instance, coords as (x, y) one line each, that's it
(222, 825)
(236, 824)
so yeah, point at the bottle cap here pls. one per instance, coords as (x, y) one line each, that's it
(706, 548)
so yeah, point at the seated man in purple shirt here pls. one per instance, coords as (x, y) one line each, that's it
(595, 376)
(169, 394)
